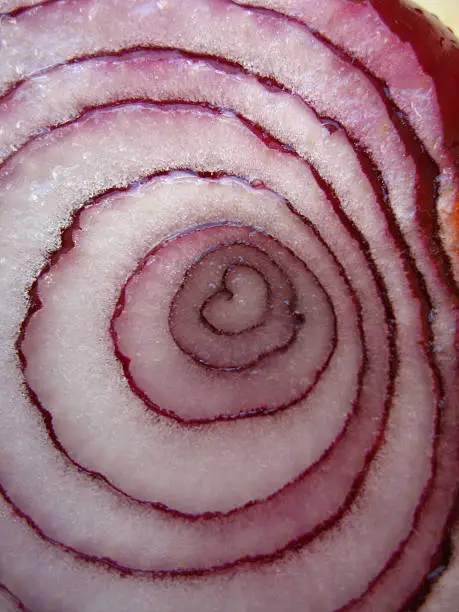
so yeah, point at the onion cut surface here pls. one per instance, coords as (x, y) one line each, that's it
(229, 307)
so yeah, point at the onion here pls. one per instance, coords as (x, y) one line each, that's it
(229, 280)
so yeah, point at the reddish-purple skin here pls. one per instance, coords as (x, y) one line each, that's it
(438, 53)
(437, 49)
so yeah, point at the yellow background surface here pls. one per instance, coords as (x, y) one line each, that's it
(446, 10)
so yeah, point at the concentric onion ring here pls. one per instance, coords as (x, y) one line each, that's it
(8, 601)
(230, 308)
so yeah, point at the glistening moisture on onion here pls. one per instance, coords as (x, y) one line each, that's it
(228, 334)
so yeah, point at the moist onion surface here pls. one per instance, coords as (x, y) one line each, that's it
(229, 263)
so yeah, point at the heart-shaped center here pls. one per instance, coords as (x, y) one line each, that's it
(241, 303)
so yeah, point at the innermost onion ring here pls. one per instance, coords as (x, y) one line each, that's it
(197, 300)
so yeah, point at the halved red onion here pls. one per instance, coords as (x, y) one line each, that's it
(229, 307)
